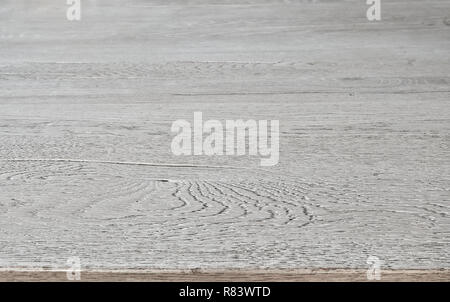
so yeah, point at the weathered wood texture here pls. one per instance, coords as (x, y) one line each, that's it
(86, 109)
(231, 275)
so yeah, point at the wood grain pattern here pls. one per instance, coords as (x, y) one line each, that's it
(86, 109)
(232, 275)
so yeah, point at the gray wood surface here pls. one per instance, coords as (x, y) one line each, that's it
(86, 109)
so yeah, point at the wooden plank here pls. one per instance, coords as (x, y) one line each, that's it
(86, 109)
(267, 275)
